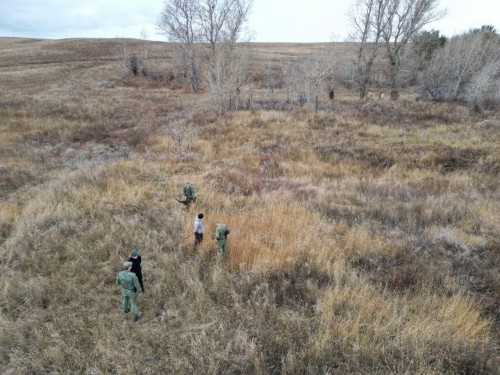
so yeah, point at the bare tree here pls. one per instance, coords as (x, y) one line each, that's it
(210, 22)
(221, 21)
(222, 24)
(213, 15)
(402, 20)
(467, 68)
(183, 135)
(484, 87)
(367, 20)
(178, 22)
(125, 57)
(219, 80)
(144, 37)
(288, 71)
(271, 80)
(435, 79)
(314, 77)
(227, 73)
(236, 19)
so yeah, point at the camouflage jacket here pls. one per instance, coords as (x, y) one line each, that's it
(221, 232)
(128, 280)
(188, 192)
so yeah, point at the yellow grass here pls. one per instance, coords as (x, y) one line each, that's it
(364, 239)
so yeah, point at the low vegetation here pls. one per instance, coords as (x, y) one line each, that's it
(364, 236)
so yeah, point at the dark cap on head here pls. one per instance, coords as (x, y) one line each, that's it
(200, 216)
(134, 253)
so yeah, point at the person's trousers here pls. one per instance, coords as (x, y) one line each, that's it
(139, 277)
(198, 238)
(221, 247)
(129, 297)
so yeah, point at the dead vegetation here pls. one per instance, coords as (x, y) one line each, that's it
(363, 239)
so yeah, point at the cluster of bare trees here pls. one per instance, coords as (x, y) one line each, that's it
(466, 68)
(309, 78)
(391, 24)
(208, 34)
(208, 31)
(227, 72)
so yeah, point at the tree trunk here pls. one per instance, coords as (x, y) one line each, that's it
(393, 77)
(195, 78)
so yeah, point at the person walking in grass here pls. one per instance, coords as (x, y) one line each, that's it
(130, 286)
(135, 259)
(198, 231)
(221, 233)
(189, 193)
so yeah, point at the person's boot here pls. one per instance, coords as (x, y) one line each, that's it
(126, 311)
(136, 318)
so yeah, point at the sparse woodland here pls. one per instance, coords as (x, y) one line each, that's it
(364, 233)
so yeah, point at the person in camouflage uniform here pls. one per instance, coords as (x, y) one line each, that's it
(128, 281)
(221, 233)
(189, 193)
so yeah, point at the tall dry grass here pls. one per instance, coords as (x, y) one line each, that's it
(363, 240)
(266, 232)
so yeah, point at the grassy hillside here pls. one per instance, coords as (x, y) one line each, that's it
(364, 238)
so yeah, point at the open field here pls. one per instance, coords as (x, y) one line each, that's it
(364, 238)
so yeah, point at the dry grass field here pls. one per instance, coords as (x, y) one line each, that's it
(364, 238)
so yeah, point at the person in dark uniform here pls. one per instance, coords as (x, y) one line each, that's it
(135, 259)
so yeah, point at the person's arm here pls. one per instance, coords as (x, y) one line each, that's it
(131, 260)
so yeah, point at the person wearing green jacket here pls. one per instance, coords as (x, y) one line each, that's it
(130, 284)
(221, 233)
(189, 193)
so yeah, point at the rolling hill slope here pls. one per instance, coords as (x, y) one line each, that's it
(364, 237)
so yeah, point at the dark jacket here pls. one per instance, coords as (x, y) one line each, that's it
(136, 268)
(136, 265)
